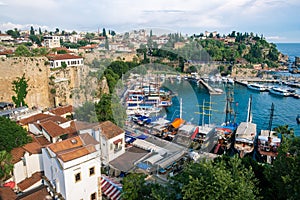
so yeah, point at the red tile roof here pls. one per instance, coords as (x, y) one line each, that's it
(17, 154)
(109, 129)
(39, 193)
(42, 140)
(7, 193)
(33, 118)
(62, 110)
(90, 46)
(73, 148)
(62, 57)
(33, 148)
(28, 182)
(53, 129)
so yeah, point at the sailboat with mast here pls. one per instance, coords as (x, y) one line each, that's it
(268, 140)
(226, 131)
(204, 131)
(245, 134)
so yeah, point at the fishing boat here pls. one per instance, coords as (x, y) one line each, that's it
(268, 140)
(245, 134)
(279, 91)
(257, 87)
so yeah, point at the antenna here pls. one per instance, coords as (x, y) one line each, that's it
(180, 114)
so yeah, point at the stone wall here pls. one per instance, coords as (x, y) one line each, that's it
(34, 68)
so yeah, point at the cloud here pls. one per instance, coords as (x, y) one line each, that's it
(196, 16)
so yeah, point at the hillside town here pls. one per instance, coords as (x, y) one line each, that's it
(72, 155)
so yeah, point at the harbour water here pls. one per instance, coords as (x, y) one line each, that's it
(193, 96)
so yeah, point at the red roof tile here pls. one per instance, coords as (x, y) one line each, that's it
(7, 193)
(62, 110)
(42, 140)
(33, 148)
(109, 129)
(53, 129)
(33, 118)
(62, 56)
(26, 183)
(73, 148)
(17, 154)
(39, 193)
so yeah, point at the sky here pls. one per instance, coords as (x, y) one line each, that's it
(277, 20)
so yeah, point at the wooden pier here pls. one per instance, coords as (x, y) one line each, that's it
(210, 89)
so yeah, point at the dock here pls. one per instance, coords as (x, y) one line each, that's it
(210, 89)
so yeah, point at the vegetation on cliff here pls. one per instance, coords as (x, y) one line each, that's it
(20, 87)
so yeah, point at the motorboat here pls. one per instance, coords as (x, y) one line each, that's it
(279, 91)
(257, 87)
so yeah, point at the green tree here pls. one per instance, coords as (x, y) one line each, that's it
(6, 166)
(40, 31)
(86, 113)
(284, 130)
(133, 186)
(284, 175)
(12, 135)
(103, 108)
(20, 87)
(13, 33)
(22, 50)
(104, 33)
(31, 31)
(217, 180)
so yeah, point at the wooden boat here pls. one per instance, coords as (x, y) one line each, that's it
(245, 134)
(268, 141)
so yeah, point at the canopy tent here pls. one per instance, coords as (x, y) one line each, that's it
(177, 122)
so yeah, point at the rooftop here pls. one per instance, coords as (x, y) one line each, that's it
(53, 129)
(62, 57)
(28, 182)
(62, 110)
(109, 129)
(75, 147)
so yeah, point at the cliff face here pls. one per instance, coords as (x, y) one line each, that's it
(72, 85)
(34, 69)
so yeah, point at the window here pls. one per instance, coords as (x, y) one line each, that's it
(77, 177)
(93, 196)
(92, 171)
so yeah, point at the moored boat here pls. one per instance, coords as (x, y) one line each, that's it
(245, 134)
(279, 91)
(257, 87)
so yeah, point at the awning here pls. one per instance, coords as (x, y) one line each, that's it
(117, 141)
(153, 159)
(110, 189)
(177, 122)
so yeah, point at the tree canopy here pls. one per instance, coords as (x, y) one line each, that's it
(12, 135)
(86, 113)
(20, 87)
(5, 166)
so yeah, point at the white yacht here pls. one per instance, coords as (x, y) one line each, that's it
(257, 87)
(279, 91)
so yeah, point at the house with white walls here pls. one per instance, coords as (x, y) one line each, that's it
(112, 140)
(72, 167)
(56, 60)
(28, 166)
(51, 41)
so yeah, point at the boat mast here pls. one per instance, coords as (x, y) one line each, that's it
(249, 113)
(271, 119)
(180, 111)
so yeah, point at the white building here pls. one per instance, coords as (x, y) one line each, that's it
(72, 167)
(6, 38)
(28, 166)
(51, 41)
(112, 140)
(70, 60)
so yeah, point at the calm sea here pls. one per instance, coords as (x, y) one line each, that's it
(193, 96)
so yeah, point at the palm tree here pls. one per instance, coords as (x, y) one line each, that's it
(284, 130)
(5, 166)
